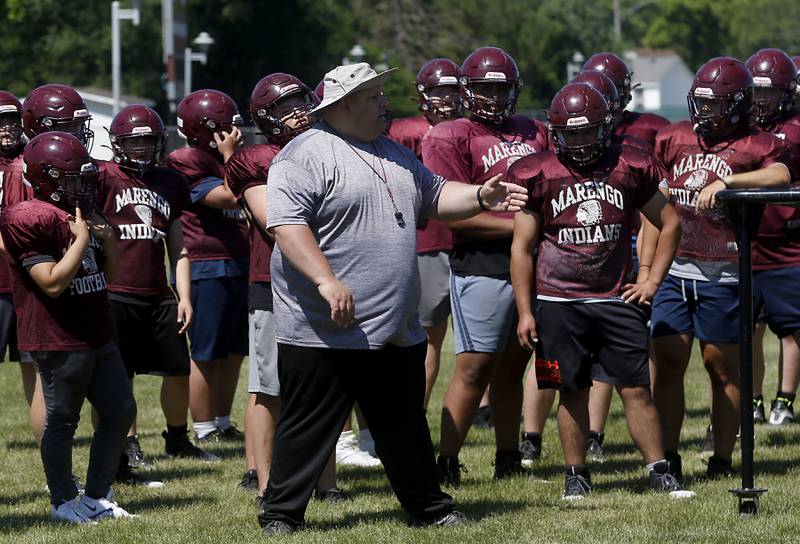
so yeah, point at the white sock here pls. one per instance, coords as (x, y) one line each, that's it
(346, 435)
(203, 428)
(223, 422)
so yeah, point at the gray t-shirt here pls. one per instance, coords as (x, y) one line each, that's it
(318, 180)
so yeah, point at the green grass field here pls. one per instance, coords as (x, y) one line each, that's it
(200, 502)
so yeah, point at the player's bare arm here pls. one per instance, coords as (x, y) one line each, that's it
(181, 268)
(774, 175)
(661, 219)
(523, 248)
(298, 244)
(54, 278)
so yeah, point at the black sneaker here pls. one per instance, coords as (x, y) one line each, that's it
(719, 468)
(484, 418)
(758, 411)
(453, 518)
(594, 447)
(231, 434)
(531, 448)
(674, 464)
(450, 471)
(508, 464)
(133, 451)
(577, 484)
(277, 527)
(332, 495)
(261, 503)
(213, 436)
(249, 480)
(662, 481)
(179, 445)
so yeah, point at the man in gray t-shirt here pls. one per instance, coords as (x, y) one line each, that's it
(344, 203)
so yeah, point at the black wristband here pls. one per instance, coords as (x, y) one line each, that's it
(480, 200)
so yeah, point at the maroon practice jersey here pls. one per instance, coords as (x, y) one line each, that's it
(35, 232)
(209, 233)
(686, 168)
(13, 189)
(409, 131)
(642, 125)
(248, 168)
(587, 218)
(141, 210)
(777, 244)
(472, 152)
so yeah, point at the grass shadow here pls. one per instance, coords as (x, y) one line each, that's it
(157, 502)
(21, 523)
(24, 497)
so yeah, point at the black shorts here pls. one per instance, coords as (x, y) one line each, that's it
(575, 336)
(146, 331)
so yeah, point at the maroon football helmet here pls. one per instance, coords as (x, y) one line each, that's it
(138, 138)
(10, 123)
(775, 79)
(603, 84)
(579, 122)
(319, 90)
(721, 97)
(616, 70)
(57, 107)
(60, 170)
(278, 122)
(437, 88)
(204, 112)
(490, 84)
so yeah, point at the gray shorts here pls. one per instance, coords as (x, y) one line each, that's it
(434, 273)
(484, 313)
(263, 364)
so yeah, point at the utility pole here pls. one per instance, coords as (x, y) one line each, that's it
(118, 15)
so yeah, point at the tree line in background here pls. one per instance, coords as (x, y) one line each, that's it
(69, 41)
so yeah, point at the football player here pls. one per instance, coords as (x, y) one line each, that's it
(776, 253)
(439, 99)
(12, 190)
(279, 106)
(143, 202)
(215, 235)
(61, 263)
(583, 204)
(716, 149)
(475, 148)
(57, 107)
(642, 125)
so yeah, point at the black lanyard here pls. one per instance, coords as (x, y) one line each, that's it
(398, 215)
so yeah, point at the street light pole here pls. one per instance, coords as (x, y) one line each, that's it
(117, 15)
(203, 41)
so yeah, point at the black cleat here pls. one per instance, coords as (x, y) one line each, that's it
(450, 471)
(249, 481)
(332, 495)
(577, 483)
(662, 481)
(719, 468)
(127, 476)
(675, 465)
(531, 448)
(133, 451)
(594, 447)
(277, 527)
(453, 518)
(231, 434)
(758, 411)
(179, 445)
(508, 464)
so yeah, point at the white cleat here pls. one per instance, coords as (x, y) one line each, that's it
(68, 512)
(99, 509)
(348, 453)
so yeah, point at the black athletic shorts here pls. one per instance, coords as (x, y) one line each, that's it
(576, 336)
(146, 332)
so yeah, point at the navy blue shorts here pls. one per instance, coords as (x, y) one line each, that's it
(220, 325)
(707, 309)
(775, 296)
